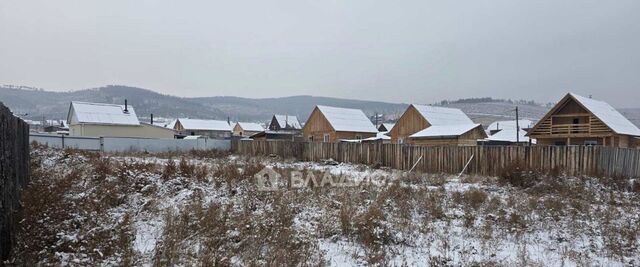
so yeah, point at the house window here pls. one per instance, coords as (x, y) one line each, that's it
(591, 142)
(358, 137)
(240, 133)
(326, 138)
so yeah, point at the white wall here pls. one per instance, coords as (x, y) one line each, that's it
(125, 144)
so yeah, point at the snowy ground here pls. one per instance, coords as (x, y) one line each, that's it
(144, 210)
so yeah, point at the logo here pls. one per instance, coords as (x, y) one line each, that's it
(267, 179)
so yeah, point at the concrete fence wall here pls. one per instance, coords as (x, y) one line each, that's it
(14, 174)
(129, 144)
(61, 141)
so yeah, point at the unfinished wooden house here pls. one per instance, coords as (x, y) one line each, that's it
(578, 120)
(449, 126)
(332, 124)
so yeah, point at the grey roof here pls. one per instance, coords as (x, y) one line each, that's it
(100, 113)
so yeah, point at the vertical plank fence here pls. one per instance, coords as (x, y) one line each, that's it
(14, 173)
(487, 160)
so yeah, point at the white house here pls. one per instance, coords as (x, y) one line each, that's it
(110, 120)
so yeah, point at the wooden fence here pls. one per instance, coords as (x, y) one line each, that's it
(14, 173)
(487, 160)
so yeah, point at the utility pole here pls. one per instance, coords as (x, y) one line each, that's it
(517, 127)
(376, 120)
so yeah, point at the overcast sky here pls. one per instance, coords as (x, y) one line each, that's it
(397, 51)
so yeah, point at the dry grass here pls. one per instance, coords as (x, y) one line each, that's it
(88, 208)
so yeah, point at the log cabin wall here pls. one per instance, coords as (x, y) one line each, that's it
(317, 126)
(409, 123)
(469, 138)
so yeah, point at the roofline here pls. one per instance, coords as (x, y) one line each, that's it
(443, 136)
(100, 123)
(323, 116)
(557, 106)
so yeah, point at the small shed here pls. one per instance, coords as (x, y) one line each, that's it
(247, 129)
(578, 120)
(331, 124)
(215, 129)
(449, 135)
(276, 135)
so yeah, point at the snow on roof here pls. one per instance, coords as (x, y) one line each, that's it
(499, 125)
(171, 124)
(348, 119)
(608, 115)
(379, 136)
(442, 115)
(100, 113)
(444, 130)
(509, 135)
(251, 126)
(288, 121)
(207, 125)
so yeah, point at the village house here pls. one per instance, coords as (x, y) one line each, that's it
(435, 126)
(508, 133)
(110, 120)
(332, 124)
(215, 129)
(284, 122)
(247, 129)
(578, 120)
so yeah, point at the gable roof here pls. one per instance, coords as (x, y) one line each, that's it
(251, 126)
(347, 119)
(288, 121)
(207, 125)
(445, 131)
(388, 126)
(608, 115)
(500, 125)
(509, 135)
(442, 115)
(101, 113)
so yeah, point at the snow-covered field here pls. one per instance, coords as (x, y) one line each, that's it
(144, 210)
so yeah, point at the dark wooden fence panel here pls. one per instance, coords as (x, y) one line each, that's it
(483, 160)
(14, 173)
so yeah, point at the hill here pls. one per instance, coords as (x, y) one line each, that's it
(35, 104)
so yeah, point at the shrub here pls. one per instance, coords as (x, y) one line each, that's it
(186, 168)
(518, 175)
(169, 170)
